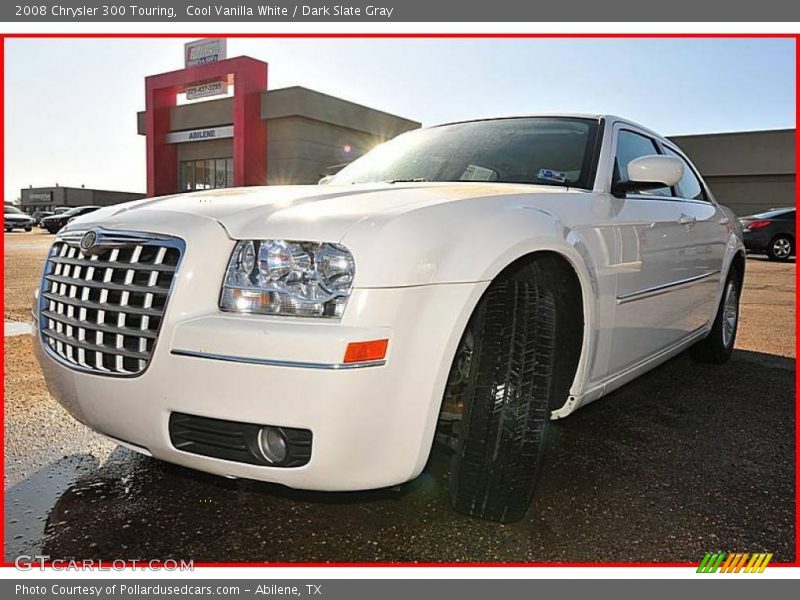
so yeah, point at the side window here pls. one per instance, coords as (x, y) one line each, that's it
(690, 186)
(631, 145)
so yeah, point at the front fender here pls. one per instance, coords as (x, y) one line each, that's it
(467, 240)
(473, 240)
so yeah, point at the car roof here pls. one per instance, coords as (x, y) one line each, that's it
(594, 117)
(591, 116)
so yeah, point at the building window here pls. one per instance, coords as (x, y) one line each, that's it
(206, 174)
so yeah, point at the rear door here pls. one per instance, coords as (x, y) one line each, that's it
(706, 229)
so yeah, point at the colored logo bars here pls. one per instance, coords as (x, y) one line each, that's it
(723, 562)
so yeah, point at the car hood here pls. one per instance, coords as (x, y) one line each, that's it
(309, 212)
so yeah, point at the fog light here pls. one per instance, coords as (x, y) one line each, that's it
(272, 444)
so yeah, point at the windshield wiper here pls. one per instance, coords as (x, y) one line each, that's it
(409, 180)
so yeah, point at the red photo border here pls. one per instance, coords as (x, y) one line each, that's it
(795, 37)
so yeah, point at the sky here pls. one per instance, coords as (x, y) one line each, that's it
(70, 114)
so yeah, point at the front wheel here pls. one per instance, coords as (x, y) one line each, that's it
(781, 248)
(718, 346)
(515, 365)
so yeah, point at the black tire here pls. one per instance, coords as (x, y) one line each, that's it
(781, 248)
(512, 384)
(27, 229)
(718, 346)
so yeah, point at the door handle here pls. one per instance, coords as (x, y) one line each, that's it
(687, 220)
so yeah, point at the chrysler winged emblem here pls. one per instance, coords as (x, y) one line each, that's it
(88, 242)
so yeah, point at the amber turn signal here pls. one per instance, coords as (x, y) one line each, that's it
(365, 351)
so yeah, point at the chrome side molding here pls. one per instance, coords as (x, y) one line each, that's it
(270, 362)
(663, 289)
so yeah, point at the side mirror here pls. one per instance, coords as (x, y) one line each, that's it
(325, 180)
(649, 173)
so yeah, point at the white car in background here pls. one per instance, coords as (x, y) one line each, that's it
(467, 282)
(14, 218)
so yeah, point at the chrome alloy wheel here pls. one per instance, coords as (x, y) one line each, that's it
(730, 313)
(782, 248)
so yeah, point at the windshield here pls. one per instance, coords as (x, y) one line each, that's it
(12, 210)
(541, 150)
(72, 212)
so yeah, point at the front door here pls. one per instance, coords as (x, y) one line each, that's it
(655, 286)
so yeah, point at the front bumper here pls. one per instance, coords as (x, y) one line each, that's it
(372, 427)
(16, 224)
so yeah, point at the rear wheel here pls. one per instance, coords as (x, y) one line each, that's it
(718, 346)
(781, 248)
(505, 382)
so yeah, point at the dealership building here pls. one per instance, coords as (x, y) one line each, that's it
(199, 136)
(256, 136)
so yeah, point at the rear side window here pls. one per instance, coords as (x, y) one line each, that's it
(631, 145)
(690, 186)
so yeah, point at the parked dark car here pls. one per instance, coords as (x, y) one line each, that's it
(771, 233)
(40, 214)
(56, 222)
(14, 218)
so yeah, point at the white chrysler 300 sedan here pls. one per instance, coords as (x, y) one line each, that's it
(464, 283)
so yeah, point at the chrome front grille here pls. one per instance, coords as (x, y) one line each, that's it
(101, 307)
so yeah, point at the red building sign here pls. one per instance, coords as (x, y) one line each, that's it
(249, 79)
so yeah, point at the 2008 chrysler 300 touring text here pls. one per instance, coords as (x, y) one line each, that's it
(464, 283)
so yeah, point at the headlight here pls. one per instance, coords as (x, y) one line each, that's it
(284, 277)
